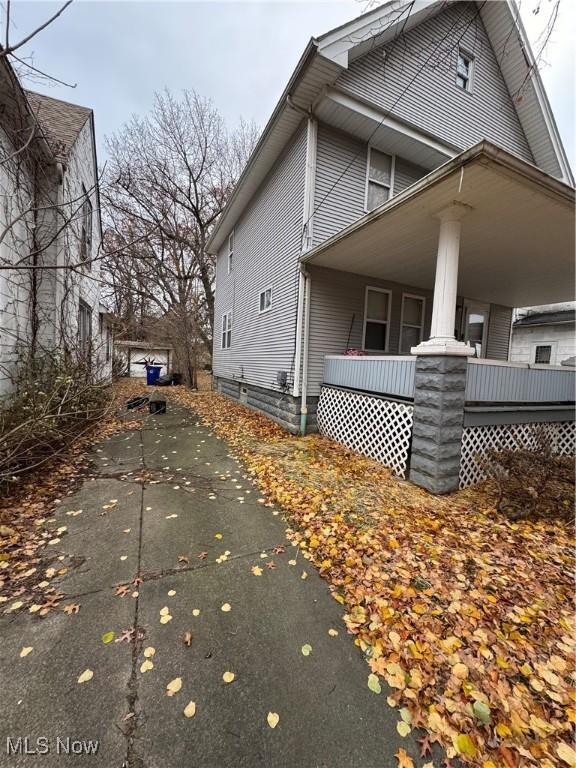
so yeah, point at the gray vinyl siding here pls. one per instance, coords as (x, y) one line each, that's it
(340, 182)
(406, 174)
(341, 172)
(415, 81)
(267, 241)
(337, 313)
(498, 340)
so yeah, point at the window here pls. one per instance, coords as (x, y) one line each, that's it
(376, 319)
(379, 178)
(265, 300)
(86, 231)
(230, 250)
(412, 322)
(84, 325)
(226, 330)
(464, 69)
(543, 354)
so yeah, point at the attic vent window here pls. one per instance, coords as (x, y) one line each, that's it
(464, 69)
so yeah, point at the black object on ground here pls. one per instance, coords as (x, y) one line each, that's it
(164, 381)
(177, 379)
(136, 402)
(157, 406)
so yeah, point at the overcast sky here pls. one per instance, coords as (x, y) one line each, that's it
(240, 54)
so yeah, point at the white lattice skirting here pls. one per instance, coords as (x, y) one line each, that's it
(369, 425)
(477, 441)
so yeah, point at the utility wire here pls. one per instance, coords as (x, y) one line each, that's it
(400, 96)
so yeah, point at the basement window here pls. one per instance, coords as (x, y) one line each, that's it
(464, 69)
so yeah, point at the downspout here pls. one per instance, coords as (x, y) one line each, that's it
(304, 402)
(301, 350)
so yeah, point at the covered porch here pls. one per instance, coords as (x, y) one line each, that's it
(441, 266)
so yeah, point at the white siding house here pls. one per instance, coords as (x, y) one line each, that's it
(544, 336)
(50, 230)
(409, 190)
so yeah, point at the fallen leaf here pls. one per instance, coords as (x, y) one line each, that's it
(273, 719)
(332, 632)
(71, 608)
(149, 652)
(190, 709)
(374, 683)
(403, 728)
(146, 666)
(226, 607)
(306, 650)
(86, 676)
(187, 639)
(107, 637)
(174, 686)
(256, 570)
(404, 759)
(25, 651)
(228, 677)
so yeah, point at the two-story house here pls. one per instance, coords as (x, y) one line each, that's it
(408, 191)
(50, 231)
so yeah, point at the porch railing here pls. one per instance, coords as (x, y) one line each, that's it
(492, 381)
(380, 375)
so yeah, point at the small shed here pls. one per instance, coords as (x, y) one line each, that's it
(545, 335)
(138, 354)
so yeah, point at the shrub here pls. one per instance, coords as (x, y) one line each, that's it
(54, 401)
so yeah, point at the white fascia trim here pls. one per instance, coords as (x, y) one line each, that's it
(379, 116)
(541, 96)
(346, 42)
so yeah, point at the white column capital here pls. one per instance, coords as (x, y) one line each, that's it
(453, 212)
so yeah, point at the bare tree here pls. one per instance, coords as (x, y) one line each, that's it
(169, 176)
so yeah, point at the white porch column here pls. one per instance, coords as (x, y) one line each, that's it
(442, 341)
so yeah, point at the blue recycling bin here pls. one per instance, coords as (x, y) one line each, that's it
(152, 374)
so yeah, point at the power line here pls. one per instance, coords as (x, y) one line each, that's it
(396, 102)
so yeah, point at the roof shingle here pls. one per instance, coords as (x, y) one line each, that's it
(61, 122)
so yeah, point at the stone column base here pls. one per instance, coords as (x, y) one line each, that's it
(439, 399)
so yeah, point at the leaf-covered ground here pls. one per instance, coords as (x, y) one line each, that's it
(468, 617)
(26, 530)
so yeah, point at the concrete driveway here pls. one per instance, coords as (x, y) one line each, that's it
(168, 505)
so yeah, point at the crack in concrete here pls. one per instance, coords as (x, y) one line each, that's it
(132, 759)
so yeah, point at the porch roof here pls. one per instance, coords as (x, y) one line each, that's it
(517, 243)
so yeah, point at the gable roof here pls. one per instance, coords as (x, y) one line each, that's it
(332, 53)
(61, 121)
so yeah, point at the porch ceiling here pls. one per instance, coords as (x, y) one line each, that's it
(517, 244)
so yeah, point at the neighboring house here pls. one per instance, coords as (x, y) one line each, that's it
(544, 336)
(136, 355)
(409, 190)
(50, 229)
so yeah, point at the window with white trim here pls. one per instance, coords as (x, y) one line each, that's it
(265, 300)
(84, 325)
(226, 330)
(464, 70)
(543, 354)
(379, 178)
(377, 305)
(411, 322)
(230, 251)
